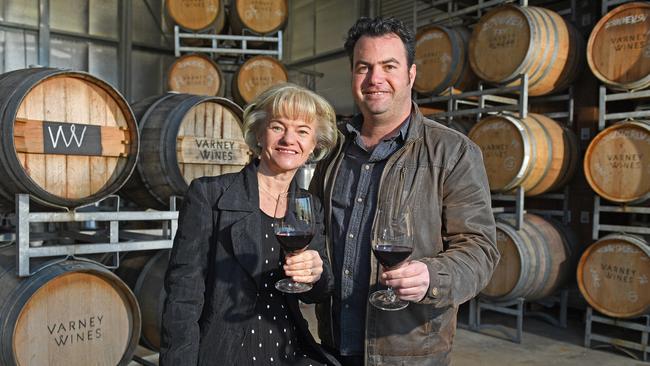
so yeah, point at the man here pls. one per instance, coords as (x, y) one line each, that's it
(391, 156)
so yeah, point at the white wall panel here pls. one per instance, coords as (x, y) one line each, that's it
(102, 60)
(103, 18)
(20, 11)
(335, 85)
(18, 50)
(69, 15)
(333, 19)
(68, 54)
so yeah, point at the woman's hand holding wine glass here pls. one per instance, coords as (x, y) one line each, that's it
(305, 267)
(294, 228)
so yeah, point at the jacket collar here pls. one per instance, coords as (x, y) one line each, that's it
(415, 125)
(242, 194)
(246, 234)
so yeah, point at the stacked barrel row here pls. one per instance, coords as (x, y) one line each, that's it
(507, 42)
(71, 312)
(510, 41)
(613, 272)
(541, 155)
(199, 74)
(70, 139)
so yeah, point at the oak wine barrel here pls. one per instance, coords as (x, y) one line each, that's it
(535, 152)
(70, 312)
(184, 136)
(511, 40)
(617, 50)
(442, 62)
(68, 138)
(144, 273)
(617, 162)
(255, 76)
(258, 16)
(197, 15)
(461, 124)
(534, 262)
(195, 74)
(613, 275)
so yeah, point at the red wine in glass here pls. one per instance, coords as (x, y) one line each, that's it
(294, 228)
(392, 244)
(293, 241)
(391, 255)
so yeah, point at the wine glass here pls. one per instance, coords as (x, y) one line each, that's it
(392, 244)
(294, 228)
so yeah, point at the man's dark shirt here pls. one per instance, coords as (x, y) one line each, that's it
(353, 207)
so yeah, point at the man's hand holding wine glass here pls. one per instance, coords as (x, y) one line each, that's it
(305, 267)
(410, 281)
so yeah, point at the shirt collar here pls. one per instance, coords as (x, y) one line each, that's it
(354, 127)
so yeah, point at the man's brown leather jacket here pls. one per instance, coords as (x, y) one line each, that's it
(439, 173)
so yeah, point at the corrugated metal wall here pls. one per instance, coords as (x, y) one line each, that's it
(406, 11)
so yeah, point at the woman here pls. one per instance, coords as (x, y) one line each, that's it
(222, 306)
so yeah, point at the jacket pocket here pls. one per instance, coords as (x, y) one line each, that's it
(419, 330)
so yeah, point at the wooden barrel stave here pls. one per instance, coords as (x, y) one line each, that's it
(178, 122)
(258, 16)
(255, 76)
(535, 260)
(195, 74)
(71, 177)
(612, 275)
(510, 41)
(196, 16)
(535, 153)
(441, 57)
(69, 312)
(144, 273)
(516, 268)
(617, 51)
(150, 292)
(563, 155)
(616, 163)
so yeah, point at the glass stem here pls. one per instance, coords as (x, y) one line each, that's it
(391, 295)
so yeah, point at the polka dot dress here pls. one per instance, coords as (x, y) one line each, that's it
(272, 337)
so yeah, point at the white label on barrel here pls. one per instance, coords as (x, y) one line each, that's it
(71, 139)
(260, 9)
(203, 150)
(595, 278)
(503, 30)
(618, 248)
(201, 79)
(634, 134)
(429, 36)
(503, 20)
(627, 20)
(632, 296)
(199, 4)
(257, 64)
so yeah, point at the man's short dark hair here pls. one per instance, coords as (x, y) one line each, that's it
(377, 27)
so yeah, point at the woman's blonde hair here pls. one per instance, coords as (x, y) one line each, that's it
(295, 102)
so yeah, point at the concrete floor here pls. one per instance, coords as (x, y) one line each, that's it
(542, 345)
(475, 349)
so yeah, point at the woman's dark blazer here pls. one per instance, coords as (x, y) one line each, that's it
(215, 270)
